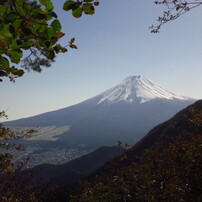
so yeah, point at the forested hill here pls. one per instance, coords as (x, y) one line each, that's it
(166, 165)
(184, 124)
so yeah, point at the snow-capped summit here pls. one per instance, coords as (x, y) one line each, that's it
(137, 89)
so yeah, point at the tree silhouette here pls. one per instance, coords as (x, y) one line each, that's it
(175, 8)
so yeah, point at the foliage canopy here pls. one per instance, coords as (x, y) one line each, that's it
(171, 173)
(11, 188)
(30, 31)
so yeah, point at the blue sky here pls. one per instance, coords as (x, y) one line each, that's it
(114, 43)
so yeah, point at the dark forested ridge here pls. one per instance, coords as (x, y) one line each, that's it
(75, 169)
(166, 165)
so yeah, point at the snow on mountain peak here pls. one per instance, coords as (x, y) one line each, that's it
(136, 89)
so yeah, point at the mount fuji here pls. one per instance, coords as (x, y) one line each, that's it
(128, 110)
(125, 112)
(137, 89)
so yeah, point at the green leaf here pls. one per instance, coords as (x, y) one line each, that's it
(43, 2)
(69, 5)
(88, 9)
(88, 1)
(17, 24)
(53, 40)
(48, 4)
(16, 71)
(15, 55)
(12, 16)
(56, 25)
(20, 2)
(57, 48)
(20, 72)
(77, 12)
(48, 44)
(5, 31)
(21, 11)
(15, 44)
(50, 55)
(51, 32)
(4, 62)
(53, 14)
(73, 46)
(26, 45)
(4, 9)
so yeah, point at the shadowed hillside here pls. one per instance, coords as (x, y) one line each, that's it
(166, 165)
(76, 169)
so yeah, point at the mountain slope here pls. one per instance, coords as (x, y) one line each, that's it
(125, 112)
(166, 165)
(185, 124)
